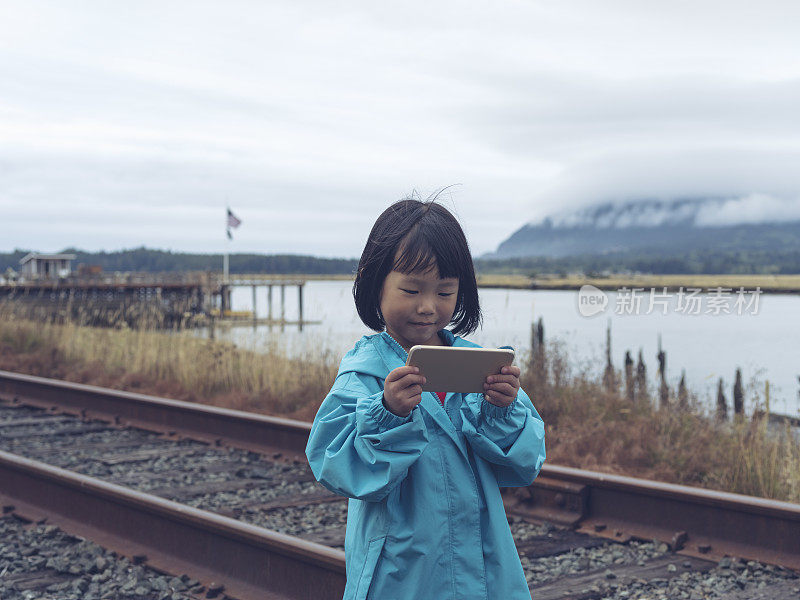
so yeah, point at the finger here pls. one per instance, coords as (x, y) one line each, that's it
(410, 380)
(503, 388)
(512, 370)
(401, 372)
(497, 399)
(410, 402)
(510, 379)
(406, 393)
(411, 391)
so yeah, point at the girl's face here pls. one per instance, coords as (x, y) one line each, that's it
(417, 305)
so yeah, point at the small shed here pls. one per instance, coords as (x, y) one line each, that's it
(46, 266)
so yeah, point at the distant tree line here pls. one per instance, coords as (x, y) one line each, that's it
(773, 239)
(643, 261)
(147, 260)
(773, 262)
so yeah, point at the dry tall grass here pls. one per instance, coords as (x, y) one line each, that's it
(589, 426)
(169, 363)
(772, 283)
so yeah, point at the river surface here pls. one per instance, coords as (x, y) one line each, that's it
(764, 340)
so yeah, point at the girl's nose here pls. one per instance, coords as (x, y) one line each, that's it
(426, 306)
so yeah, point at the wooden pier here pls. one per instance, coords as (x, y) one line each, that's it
(267, 282)
(167, 299)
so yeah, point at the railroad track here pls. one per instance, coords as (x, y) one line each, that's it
(227, 497)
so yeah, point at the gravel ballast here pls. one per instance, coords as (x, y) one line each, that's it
(41, 561)
(282, 496)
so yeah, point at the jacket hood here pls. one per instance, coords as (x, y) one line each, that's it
(390, 354)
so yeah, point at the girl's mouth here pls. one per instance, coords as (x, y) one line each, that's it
(422, 324)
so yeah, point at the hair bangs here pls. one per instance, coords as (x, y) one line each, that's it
(415, 254)
(424, 249)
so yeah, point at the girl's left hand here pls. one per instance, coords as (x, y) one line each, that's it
(501, 390)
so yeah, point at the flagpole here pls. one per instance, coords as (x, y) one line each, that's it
(227, 248)
(230, 221)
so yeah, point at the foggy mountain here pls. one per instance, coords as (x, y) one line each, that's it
(665, 227)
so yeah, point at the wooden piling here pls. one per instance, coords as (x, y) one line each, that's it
(738, 395)
(300, 306)
(722, 402)
(629, 394)
(609, 376)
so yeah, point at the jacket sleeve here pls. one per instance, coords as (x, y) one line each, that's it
(511, 439)
(359, 449)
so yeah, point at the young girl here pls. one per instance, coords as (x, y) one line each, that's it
(425, 519)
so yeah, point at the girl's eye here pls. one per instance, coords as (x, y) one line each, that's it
(409, 291)
(446, 294)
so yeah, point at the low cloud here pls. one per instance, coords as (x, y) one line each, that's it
(759, 181)
(753, 208)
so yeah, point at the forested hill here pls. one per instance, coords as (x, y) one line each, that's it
(669, 227)
(153, 261)
(695, 235)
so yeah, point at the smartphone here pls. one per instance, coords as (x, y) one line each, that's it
(461, 370)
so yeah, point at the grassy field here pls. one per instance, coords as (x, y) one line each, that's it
(299, 276)
(171, 364)
(587, 425)
(767, 283)
(513, 281)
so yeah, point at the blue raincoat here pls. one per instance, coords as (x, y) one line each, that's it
(425, 518)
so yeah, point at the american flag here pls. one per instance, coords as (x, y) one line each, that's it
(233, 220)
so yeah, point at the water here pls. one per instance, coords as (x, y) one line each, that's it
(763, 345)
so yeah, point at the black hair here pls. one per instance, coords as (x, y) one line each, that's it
(428, 236)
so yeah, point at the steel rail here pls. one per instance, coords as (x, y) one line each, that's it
(696, 521)
(253, 563)
(260, 433)
(692, 520)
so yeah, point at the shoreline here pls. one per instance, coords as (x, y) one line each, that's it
(769, 284)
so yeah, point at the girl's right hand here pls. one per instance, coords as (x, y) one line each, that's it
(402, 390)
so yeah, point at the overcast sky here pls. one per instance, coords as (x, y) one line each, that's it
(128, 124)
